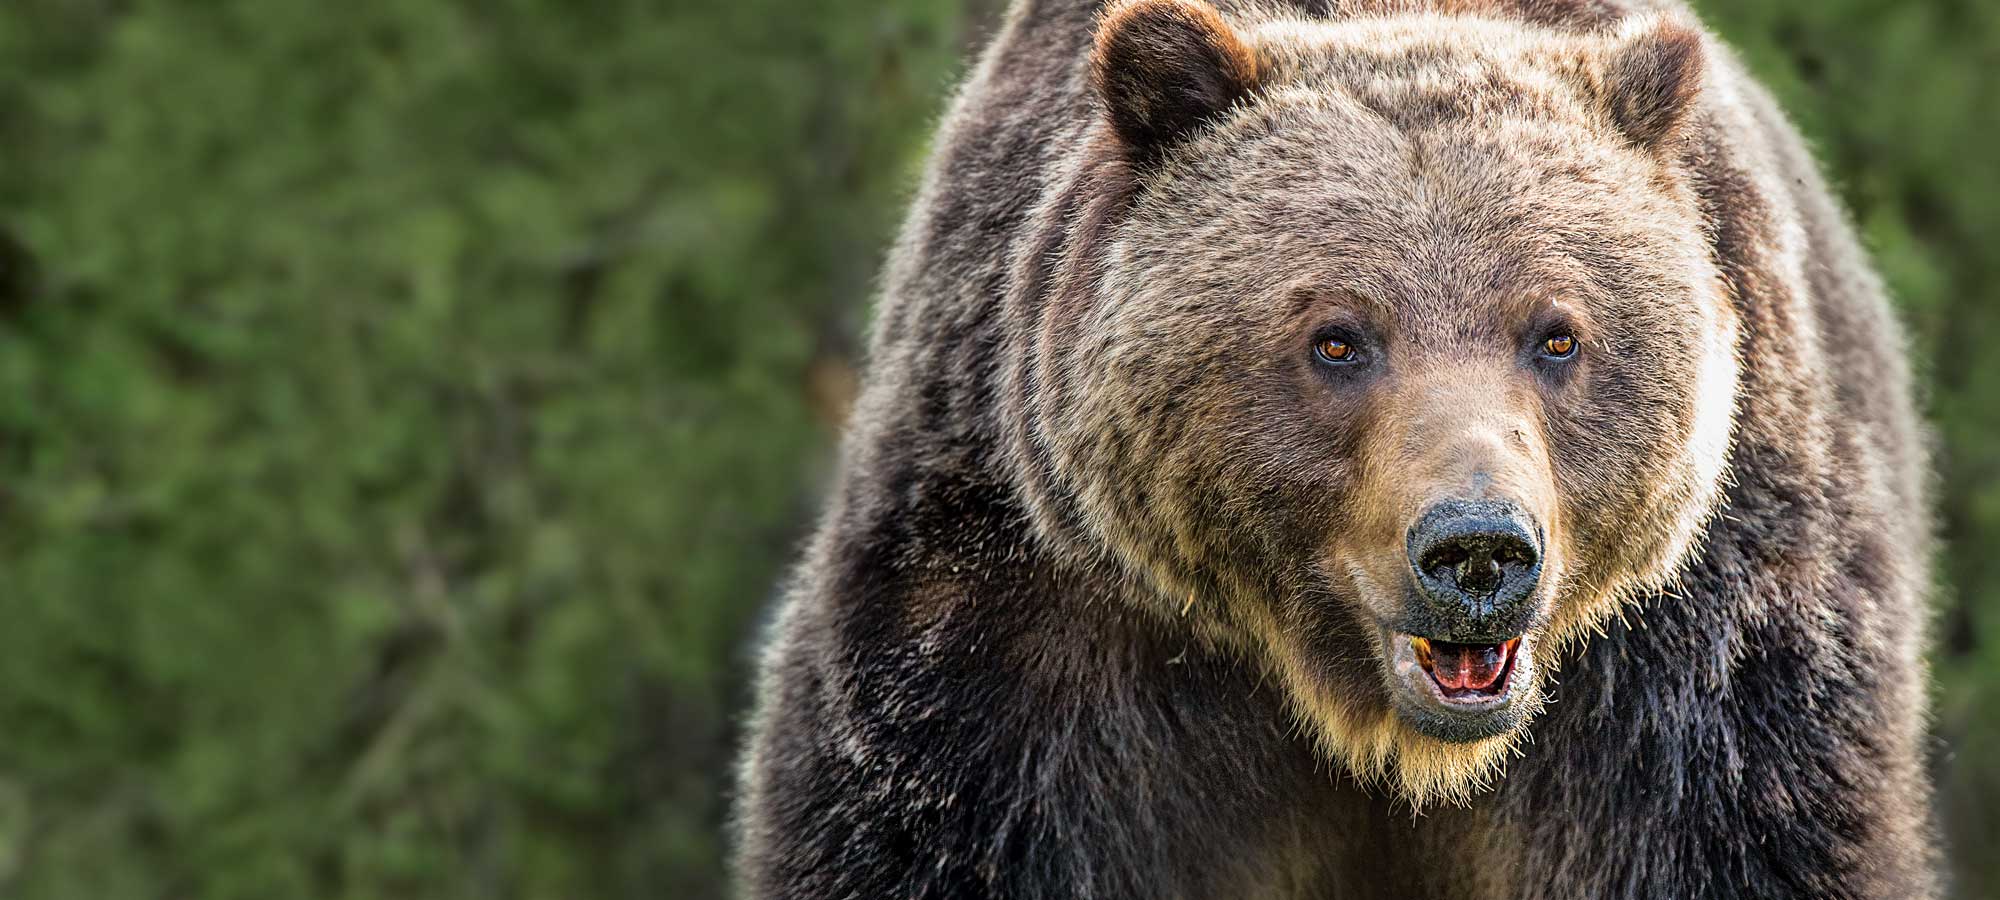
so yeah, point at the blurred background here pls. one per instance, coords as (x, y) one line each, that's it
(407, 410)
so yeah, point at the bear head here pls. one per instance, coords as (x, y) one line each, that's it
(1390, 351)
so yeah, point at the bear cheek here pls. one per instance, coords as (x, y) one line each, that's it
(1281, 485)
(1288, 477)
(1177, 464)
(1620, 455)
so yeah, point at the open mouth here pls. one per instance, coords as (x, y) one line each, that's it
(1461, 691)
(1467, 672)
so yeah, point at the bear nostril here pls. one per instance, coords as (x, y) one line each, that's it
(1444, 561)
(1480, 574)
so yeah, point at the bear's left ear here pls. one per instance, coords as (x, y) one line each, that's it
(1650, 81)
(1163, 67)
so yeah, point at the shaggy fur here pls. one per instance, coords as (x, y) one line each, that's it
(1101, 605)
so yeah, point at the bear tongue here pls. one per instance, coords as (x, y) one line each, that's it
(1467, 667)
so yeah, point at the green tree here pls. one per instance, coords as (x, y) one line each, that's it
(408, 409)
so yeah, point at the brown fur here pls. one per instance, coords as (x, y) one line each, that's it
(1100, 606)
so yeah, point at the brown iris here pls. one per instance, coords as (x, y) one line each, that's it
(1559, 346)
(1334, 350)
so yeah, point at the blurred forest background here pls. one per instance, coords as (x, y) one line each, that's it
(408, 408)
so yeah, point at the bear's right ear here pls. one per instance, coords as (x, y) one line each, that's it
(1163, 67)
(1652, 79)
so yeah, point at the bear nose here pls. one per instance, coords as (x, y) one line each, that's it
(1477, 562)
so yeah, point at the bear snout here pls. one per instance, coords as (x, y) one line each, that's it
(1476, 565)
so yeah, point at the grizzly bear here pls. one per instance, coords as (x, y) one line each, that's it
(1368, 448)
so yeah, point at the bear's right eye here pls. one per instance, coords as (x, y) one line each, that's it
(1334, 351)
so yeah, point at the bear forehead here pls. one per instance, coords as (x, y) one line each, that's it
(1439, 160)
(1428, 224)
(1284, 167)
(1414, 71)
(1424, 113)
(1317, 185)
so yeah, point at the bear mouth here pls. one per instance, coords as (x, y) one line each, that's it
(1460, 692)
(1467, 673)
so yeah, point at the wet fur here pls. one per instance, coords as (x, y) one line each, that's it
(973, 691)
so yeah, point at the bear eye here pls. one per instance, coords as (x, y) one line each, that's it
(1335, 351)
(1559, 346)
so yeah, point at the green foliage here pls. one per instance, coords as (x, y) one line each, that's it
(408, 408)
(405, 422)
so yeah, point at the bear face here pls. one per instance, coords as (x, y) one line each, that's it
(1399, 360)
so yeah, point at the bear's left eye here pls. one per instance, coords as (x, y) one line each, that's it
(1335, 351)
(1559, 346)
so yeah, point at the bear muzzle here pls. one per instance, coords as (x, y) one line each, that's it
(1460, 654)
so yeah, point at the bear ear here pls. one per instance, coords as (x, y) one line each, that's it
(1651, 80)
(1162, 67)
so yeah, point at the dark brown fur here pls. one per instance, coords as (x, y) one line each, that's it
(1090, 614)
